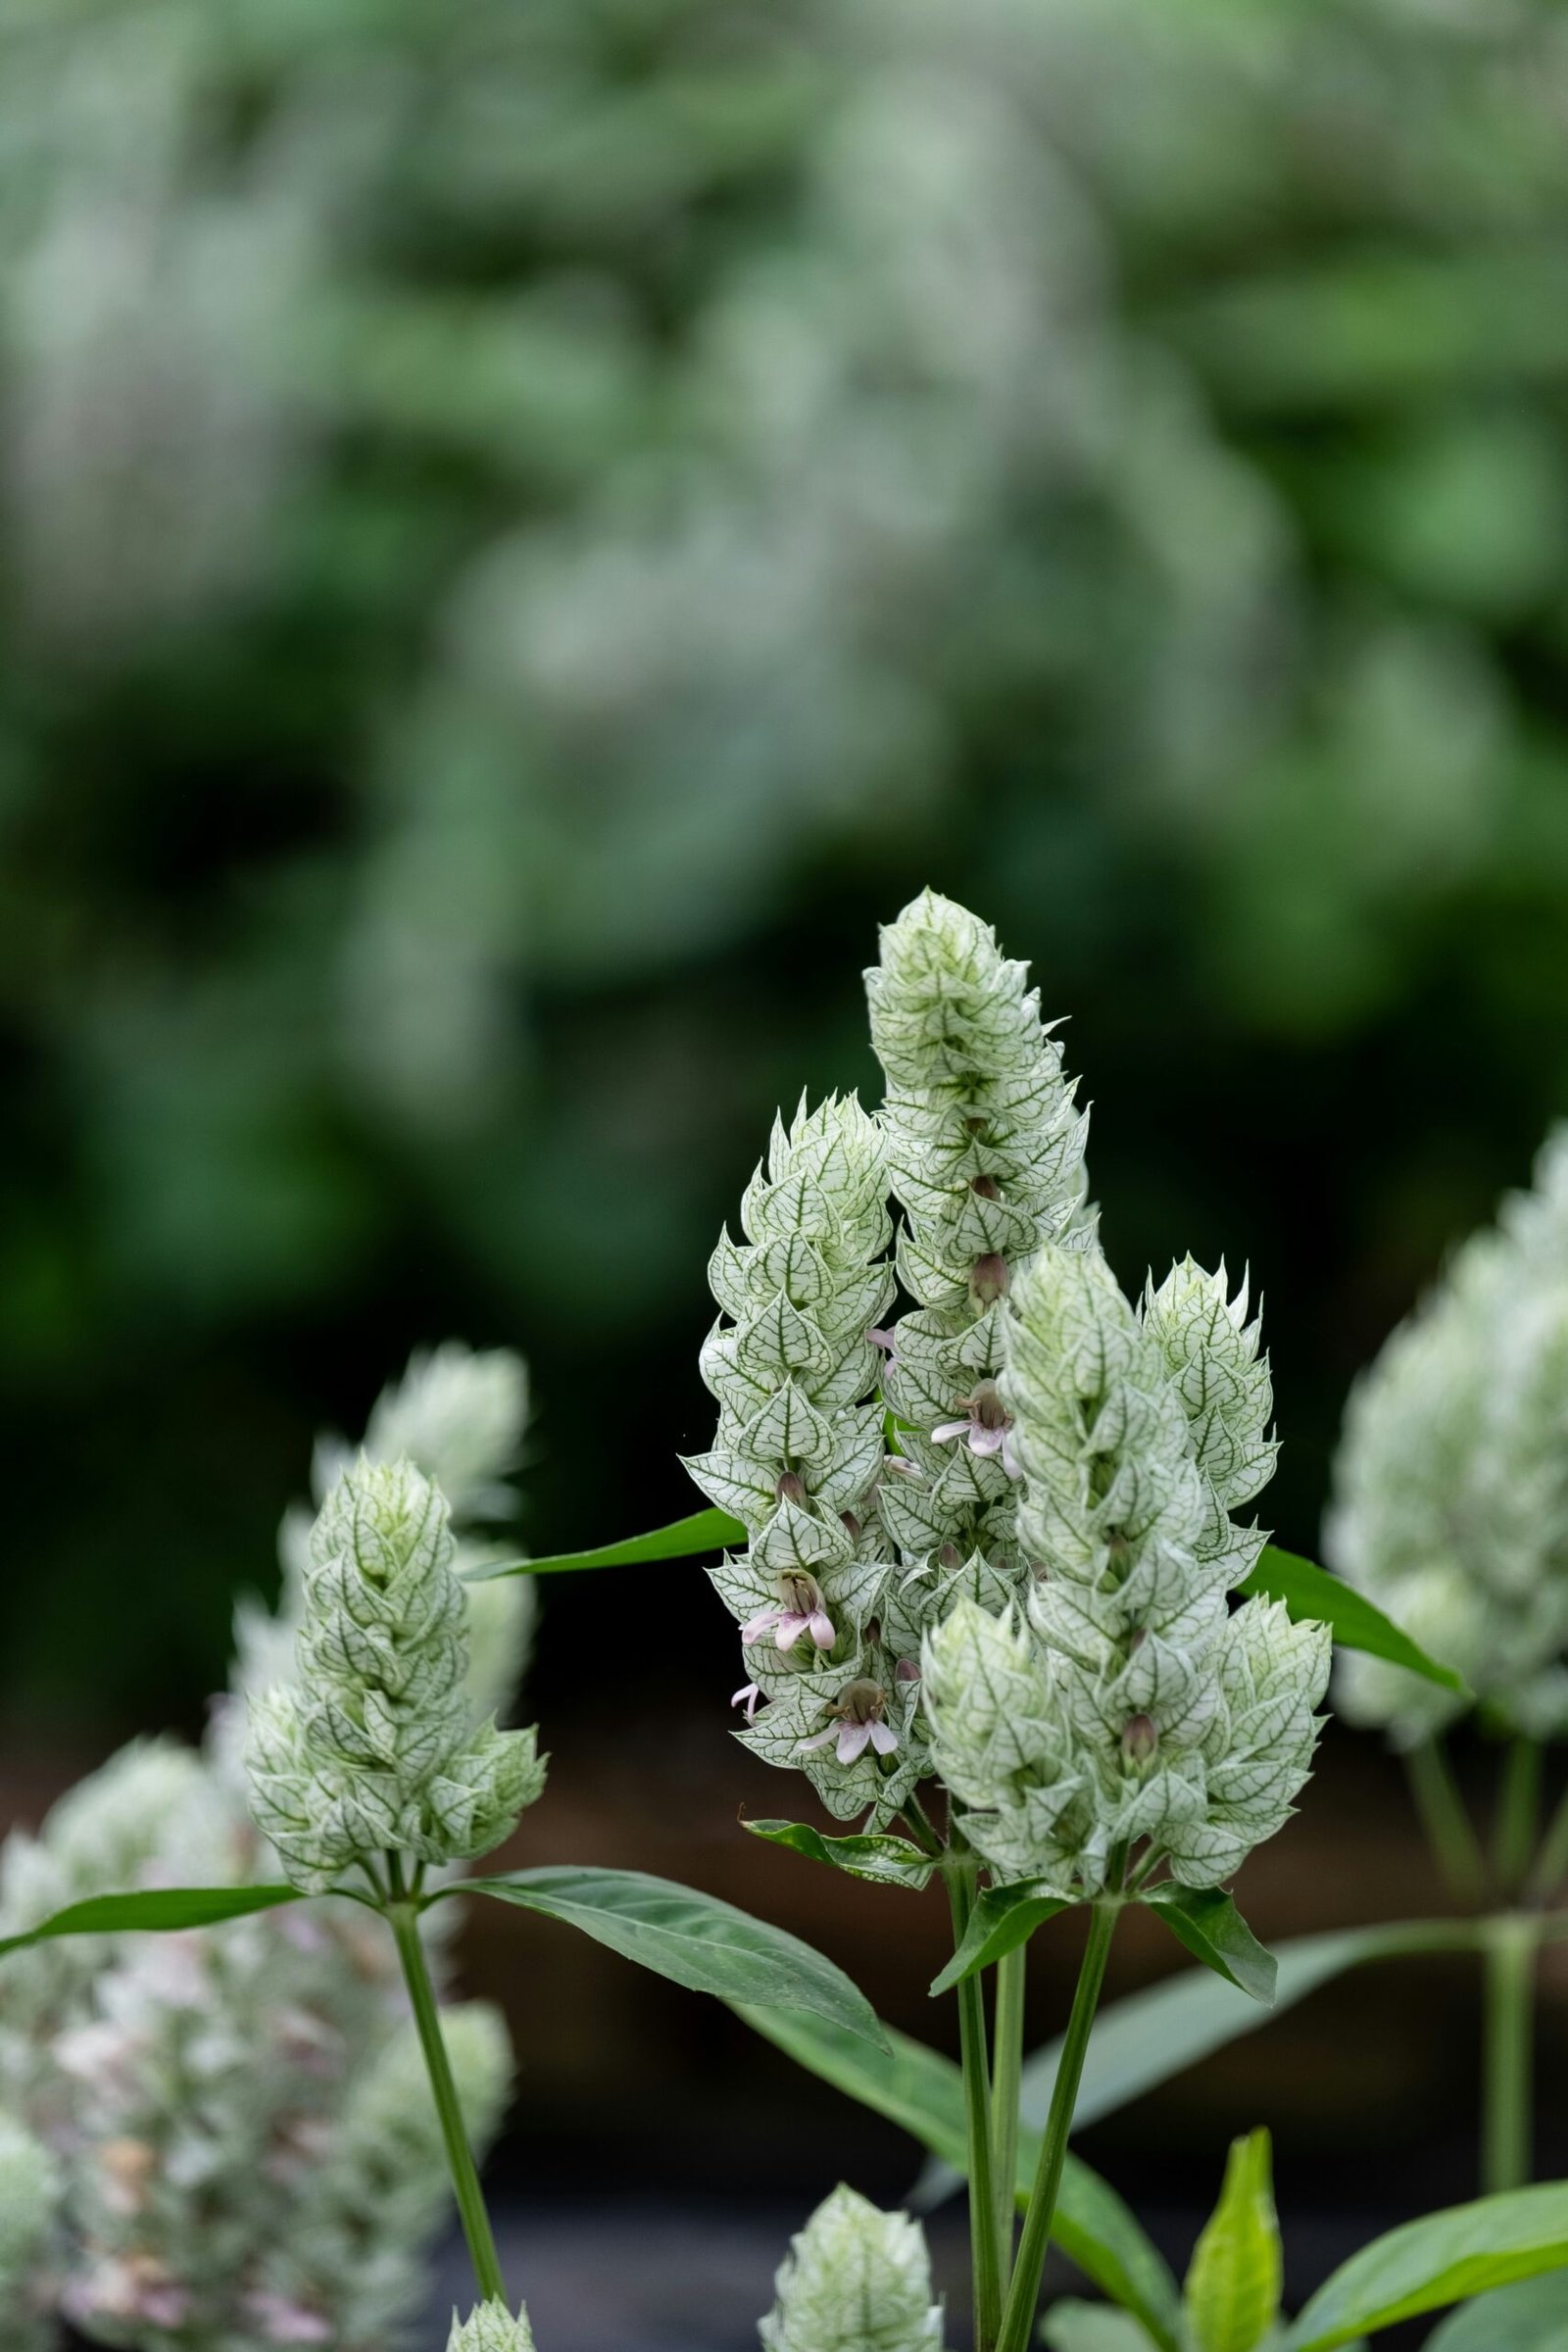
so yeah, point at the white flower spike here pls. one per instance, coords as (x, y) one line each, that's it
(855, 2280)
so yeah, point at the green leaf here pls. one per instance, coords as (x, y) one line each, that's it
(1143, 2040)
(157, 1910)
(1355, 1622)
(1442, 2258)
(681, 1539)
(1232, 2294)
(1214, 1932)
(923, 2091)
(1003, 1918)
(886, 1861)
(1531, 2317)
(693, 1939)
(1073, 2327)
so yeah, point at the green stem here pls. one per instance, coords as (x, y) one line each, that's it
(1552, 1863)
(1023, 2296)
(403, 1918)
(1518, 1813)
(985, 2246)
(1506, 2120)
(1007, 2066)
(1450, 1831)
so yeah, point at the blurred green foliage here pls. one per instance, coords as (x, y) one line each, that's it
(529, 524)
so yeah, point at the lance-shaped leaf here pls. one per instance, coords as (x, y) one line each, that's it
(1232, 2293)
(1355, 1622)
(885, 1860)
(923, 2091)
(159, 1910)
(1530, 2317)
(1073, 2327)
(682, 1539)
(1209, 1924)
(693, 1939)
(1147, 2038)
(1442, 2258)
(1003, 1918)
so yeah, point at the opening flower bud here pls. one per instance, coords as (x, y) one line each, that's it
(986, 1186)
(1139, 1738)
(988, 1279)
(789, 1487)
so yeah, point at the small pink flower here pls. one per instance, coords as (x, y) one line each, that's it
(986, 1426)
(282, 2321)
(887, 1340)
(749, 1696)
(802, 1610)
(859, 1711)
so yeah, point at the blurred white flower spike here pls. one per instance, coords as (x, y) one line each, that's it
(1451, 1504)
(856, 2279)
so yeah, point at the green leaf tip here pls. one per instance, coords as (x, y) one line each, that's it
(1207, 1921)
(1232, 2292)
(1356, 1623)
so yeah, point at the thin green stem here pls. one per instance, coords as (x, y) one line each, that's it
(921, 1827)
(1511, 1942)
(1007, 2066)
(1552, 1863)
(1450, 1831)
(985, 2245)
(403, 1917)
(1518, 1814)
(1023, 2296)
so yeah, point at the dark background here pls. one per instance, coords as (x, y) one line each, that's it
(528, 531)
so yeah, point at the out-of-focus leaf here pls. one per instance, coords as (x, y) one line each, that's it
(157, 1910)
(923, 2091)
(1355, 1622)
(1529, 2317)
(1232, 2293)
(1073, 2327)
(682, 1539)
(1206, 1921)
(1444, 2258)
(693, 1939)
(885, 1860)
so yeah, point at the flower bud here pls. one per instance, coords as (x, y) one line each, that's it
(855, 2280)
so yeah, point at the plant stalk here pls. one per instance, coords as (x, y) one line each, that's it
(1449, 1831)
(1007, 2066)
(1552, 1863)
(985, 2244)
(1023, 2296)
(1511, 1946)
(403, 1919)
(1518, 1814)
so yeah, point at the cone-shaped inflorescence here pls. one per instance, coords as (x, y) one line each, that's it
(374, 1751)
(855, 2280)
(985, 1154)
(1452, 1482)
(490, 2329)
(1128, 1703)
(798, 1454)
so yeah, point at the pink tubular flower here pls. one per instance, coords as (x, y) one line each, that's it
(986, 1426)
(749, 1696)
(858, 1712)
(801, 1609)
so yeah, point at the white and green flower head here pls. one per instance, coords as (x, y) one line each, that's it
(985, 1152)
(375, 1750)
(490, 2329)
(856, 2279)
(1129, 1703)
(1450, 1504)
(797, 1455)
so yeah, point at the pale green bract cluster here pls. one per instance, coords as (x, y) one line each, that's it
(797, 1455)
(1451, 1504)
(985, 1152)
(1127, 1702)
(375, 1750)
(492, 2328)
(856, 2279)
